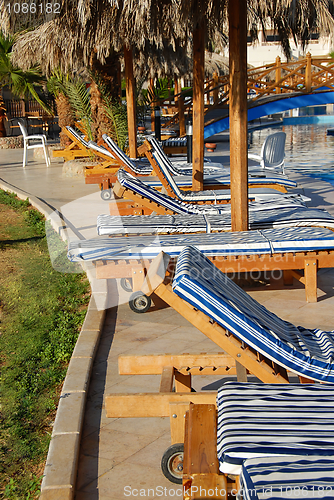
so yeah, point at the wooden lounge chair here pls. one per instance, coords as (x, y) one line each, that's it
(288, 250)
(254, 341)
(144, 196)
(261, 216)
(77, 149)
(220, 178)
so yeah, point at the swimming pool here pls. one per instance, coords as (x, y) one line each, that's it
(308, 148)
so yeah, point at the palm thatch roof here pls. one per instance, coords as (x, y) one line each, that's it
(84, 27)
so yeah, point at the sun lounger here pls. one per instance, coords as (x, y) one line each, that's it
(290, 477)
(220, 178)
(254, 420)
(172, 184)
(259, 420)
(131, 165)
(266, 218)
(286, 249)
(132, 188)
(78, 147)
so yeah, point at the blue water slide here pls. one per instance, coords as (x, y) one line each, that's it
(269, 108)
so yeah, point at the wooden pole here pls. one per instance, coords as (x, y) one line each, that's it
(308, 73)
(130, 102)
(278, 74)
(238, 113)
(215, 84)
(198, 107)
(151, 87)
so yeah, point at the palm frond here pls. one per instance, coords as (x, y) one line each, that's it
(79, 98)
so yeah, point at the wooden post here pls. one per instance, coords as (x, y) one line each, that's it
(238, 113)
(151, 88)
(278, 74)
(198, 107)
(215, 84)
(130, 102)
(308, 73)
(176, 89)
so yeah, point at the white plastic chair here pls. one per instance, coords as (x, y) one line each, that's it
(42, 143)
(272, 152)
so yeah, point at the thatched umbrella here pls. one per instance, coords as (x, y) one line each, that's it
(103, 28)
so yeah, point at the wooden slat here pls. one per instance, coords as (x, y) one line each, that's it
(152, 404)
(182, 382)
(177, 421)
(167, 376)
(202, 440)
(311, 279)
(156, 273)
(130, 101)
(196, 364)
(217, 334)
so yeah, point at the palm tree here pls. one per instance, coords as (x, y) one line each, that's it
(22, 83)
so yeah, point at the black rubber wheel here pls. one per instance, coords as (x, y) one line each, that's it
(139, 302)
(172, 463)
(126, 284)
(106, 194)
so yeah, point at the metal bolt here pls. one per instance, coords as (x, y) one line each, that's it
(238, 355)
(307, 264)
(174, 415)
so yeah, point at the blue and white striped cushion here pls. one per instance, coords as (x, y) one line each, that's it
(212, 174)
(237, 243)
(137, 166)
(183, 169)
(197, 223)
(276, 478)
(306, 352)
(78, 136)
(177, 206)
(260, 420)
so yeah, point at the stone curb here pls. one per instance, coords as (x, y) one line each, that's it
(62, 461)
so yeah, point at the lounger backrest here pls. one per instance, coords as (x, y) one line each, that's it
(77, 136)
(165, 176)
(199, 282)
(156, 146)
(100, 149)
(124, 159)
(136, 185)
(273, 150)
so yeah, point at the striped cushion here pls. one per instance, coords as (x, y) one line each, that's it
(197, 223)
(179, 168)
(260, 420)
(218, 175)
(306, 352)
(78, 137)
(137, 166)
(177, 206)
(238, 243)
(184, 179)
(276, 478)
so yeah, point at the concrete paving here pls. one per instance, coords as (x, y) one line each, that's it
(120, 458)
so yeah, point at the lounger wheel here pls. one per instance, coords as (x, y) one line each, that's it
(126, 284)
(139, 302)
(106, 194)
(172, 463)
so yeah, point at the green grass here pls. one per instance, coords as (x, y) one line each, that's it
(41, 313)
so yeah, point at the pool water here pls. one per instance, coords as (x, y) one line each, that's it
(308, 149)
